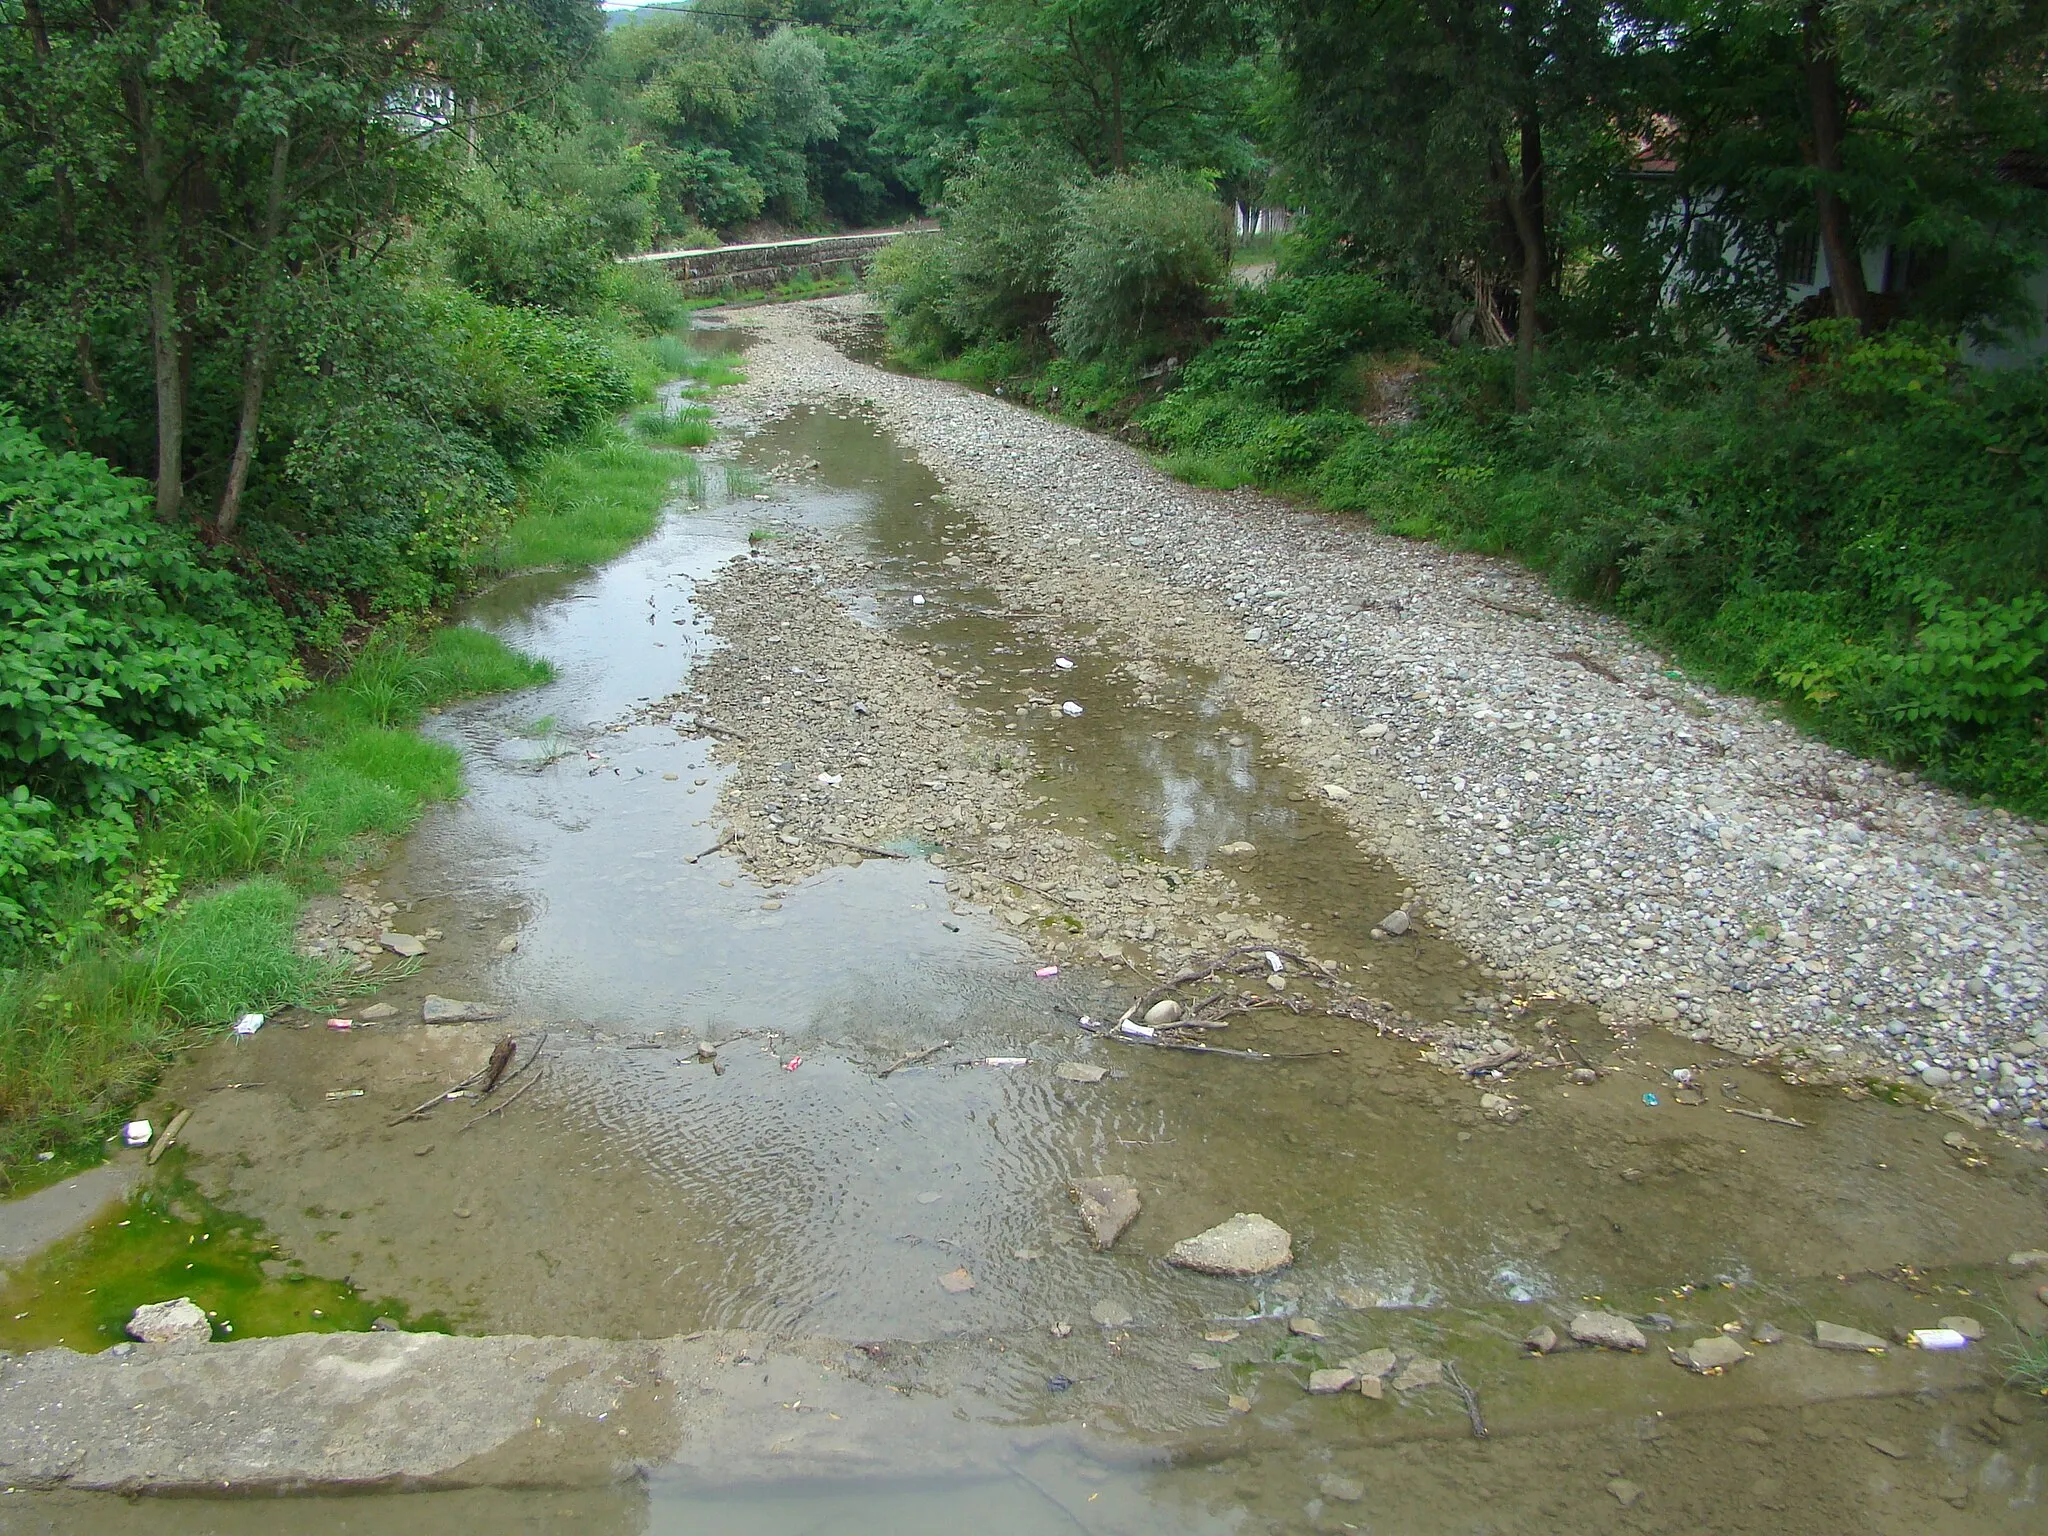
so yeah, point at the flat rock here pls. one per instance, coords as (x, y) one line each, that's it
(1540, 1341)
(1306, 1328)
(1336, 1379)
(1625, 1492)
(1395, 922)
(1607, 1330)
(1716, 1352)
(1835, 1336)
(1110, 1314)
(2028, 1258)
(1376, 1364)
(1968, 1327)
(1419, 1372)
(402, 944)
(376, 1013)
(1079, 1072)
(1238, 850)
(450, 1010)
(1201, 1362)
(1345, 1490)
(170, 1322)
(1358, 1298)
(1108, 1205)
(1247, 1244)
(956, 1282)
(1885, 1447)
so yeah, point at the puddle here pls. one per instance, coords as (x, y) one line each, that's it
(638, 1191)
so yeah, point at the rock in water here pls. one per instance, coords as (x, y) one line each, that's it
(1541, 1341)
(1395, 922)
(1306, 1328)
(1247, 1244)
(1419, 1372)
(1238, 850)
(1107, 1205)
(402, 944)
(1324, 1383)
(449, 1010)
(1079, 1072)
(1165, 1011)
(1110, 1314)
(1607, 1330)
(170, 1322)
(1346, 1490)
(1374, 1364)
(1968, 1327)
(1716, 1352)
(956, 1282)
(1835, 1336)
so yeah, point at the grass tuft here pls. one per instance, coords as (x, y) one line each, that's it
(584, 505)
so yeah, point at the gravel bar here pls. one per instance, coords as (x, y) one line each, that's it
(1571, 806)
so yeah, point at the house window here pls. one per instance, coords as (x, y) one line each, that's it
(1797, 257)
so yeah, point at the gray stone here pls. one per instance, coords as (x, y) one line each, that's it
(1108, 1205)
(1835, 1336)
(1238, 850)
(1079, 1072)
(1716, 1352)
(1767, 1333)
(1374, 1364)
(1540, 1341)
(1247, 1244)
(1345, 1490)
(1419, 1372)
(2028, 1258)
(1110, 1314)
(1395, 922)
(1625, 1492)
(1202, 1362)
(376, 1013)
(1968, 1327)
(449, 1010)
(1328, 1382)
(170, 1322)
(402, 944)
(1885, 1447)
(1306, 1328)
(1358, 1298)
(1608, 1330)
(508, 945)
(1935, 1077)
(1165, 1011)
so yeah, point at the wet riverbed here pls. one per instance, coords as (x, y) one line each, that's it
(639, 1190)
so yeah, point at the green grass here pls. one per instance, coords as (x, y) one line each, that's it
(583, 505)
(679, 426)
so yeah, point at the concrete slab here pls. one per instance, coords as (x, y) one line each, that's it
(32, 1223)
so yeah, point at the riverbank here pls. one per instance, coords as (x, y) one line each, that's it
(1568, 808)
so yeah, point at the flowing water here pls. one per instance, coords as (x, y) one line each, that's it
(641, 1191)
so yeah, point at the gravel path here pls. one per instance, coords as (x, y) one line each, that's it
(1568, 804)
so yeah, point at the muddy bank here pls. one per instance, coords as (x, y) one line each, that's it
(1565, 807)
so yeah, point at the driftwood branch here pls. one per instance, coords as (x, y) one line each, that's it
(914, 1058)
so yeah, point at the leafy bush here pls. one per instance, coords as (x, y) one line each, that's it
(532, 379)
(1001, 242)
(128, 667)
(1288, 342)
(913, 280)
(1140, 260)
(511, 253)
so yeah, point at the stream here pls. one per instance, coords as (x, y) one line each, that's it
(792, 1189)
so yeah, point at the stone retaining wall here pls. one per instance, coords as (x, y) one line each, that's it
(731, 268)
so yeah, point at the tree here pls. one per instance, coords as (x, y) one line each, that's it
(235, 150)
(1423, 124)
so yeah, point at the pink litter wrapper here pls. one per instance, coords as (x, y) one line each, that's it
(792, 1064)
(341, 1023)
(1046, 970)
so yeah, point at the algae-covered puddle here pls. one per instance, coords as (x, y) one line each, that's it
(638, 1191)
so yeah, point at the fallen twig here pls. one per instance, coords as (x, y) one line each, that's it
(501, 1058)
(1492, 1061)
(729, 837)
(914, 1058)
(1519, 610)
(497, 1108)
(413, 1114)
(163, 1142)
(1767, 1117)
(1471, 1398)
(866, 848)
(1596, 667)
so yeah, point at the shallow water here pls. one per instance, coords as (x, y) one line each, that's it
(638, 1191)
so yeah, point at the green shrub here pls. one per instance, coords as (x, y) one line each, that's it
(1001, 241)
(128, 668)
(1289, 342)
(532, 379)
(553, 256)
(1140, 261)
(912, 278)
(676, 425)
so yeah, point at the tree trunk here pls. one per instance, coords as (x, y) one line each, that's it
(256, 362)
(1525, 207)
(1118, 160)
(165, 342)
(1824, 98)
